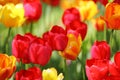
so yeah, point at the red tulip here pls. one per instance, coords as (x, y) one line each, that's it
(114, 68)
(70, 15)
(33, 73)
(20, 46)
(100, 50)
(40, 52)
(117, 1)
(117, 59)
(52, 2)
(96, 69)
(56, 37)
(33, 9)
(79, 27)
(104, 2)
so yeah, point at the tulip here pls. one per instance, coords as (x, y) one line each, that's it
(73, 47)
(112, 16)
(117, 1)
(104, 2)
(56, 38)
(33, 73)
(7, 66)
(12, 15)
(79, 27)
(99, 24)
(96, 69)
(52, 2)
(100, 50)
(70, 15)
(39, 52)
(51, 74)
(33, 9)
(3, 2)
(88, 9)
(114, 67)
(20, 46)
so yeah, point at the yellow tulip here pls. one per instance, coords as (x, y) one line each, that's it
(88, 9)
(51, 74)
(12, 15)
(3, 2)
(73, 47)
(7, 66)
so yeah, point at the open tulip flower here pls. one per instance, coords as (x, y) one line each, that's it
(33, 9)
(51, 74)
(112, 16)
(7, 66)
(12, 15)
(73, 47)
(33, 73)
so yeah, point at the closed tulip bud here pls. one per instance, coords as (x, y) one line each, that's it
(56, 38)
(96, 69)
(40, 52)
(20, 46)
(51, 74)
(100, 50)
(33, 9)
(70, 15)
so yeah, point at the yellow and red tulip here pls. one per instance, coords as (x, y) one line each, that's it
(73, 47)
(7, 66)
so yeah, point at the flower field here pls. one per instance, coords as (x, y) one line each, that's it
(59, 40)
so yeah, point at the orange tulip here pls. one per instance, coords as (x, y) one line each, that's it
(7, 66)
(112, 16)
(3, 2)
(99, 24)
(73, 47)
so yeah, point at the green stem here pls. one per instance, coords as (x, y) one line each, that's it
(66, 71)
(110, 40)
(82, 68)
(31, 27)
(6, 41)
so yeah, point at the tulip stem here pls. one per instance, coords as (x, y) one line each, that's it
(6, 41)
(66, 71)
(110, 40)
(82, 68)
(31, 27)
